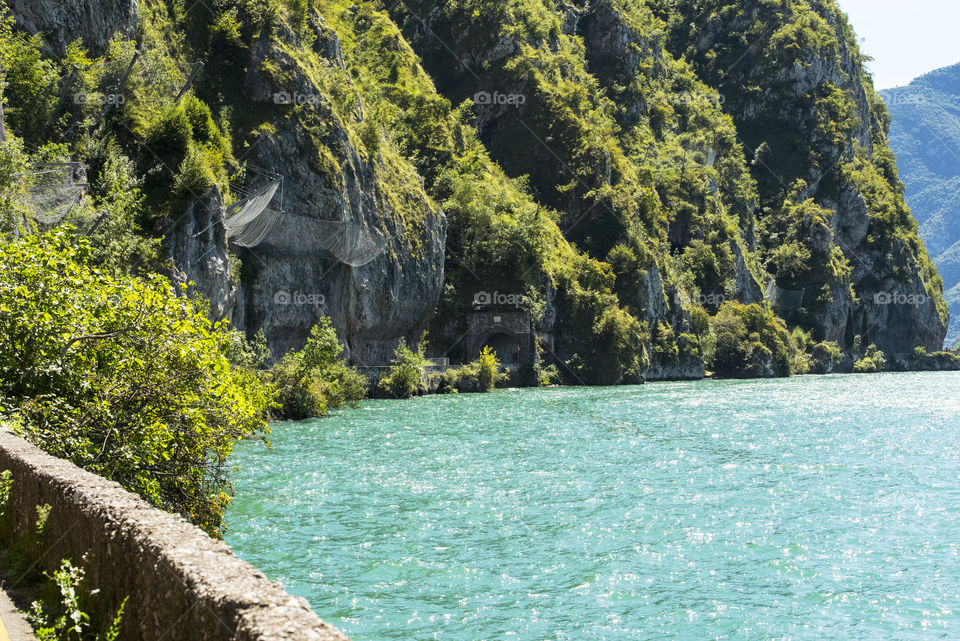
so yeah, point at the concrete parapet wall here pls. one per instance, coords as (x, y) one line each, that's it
(181, 583)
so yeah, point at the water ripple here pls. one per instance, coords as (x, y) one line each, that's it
(812, 508)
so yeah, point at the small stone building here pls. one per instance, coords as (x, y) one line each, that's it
(508, 333)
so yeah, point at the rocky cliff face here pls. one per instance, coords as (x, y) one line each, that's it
(291, 280)
(619, 159)
(197, 246)
(807, 112)
(63, 21)
(663, 307)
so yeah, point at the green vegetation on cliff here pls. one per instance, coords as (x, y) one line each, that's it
(626, 169)
(792, 76)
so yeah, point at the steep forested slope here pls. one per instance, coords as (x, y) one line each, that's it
(925, 135)
(620, 168)
(832, 218)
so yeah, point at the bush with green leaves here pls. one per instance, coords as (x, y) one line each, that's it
(64, 617)
(315, 379)
(488, 366)
(480, 375)
(111, 212)
(13, 163)
(751, 341)
(827, 357)
(251, 354)
(406, 371)
(28, 76)
(873, 361)
(802, 347)
(111, 216)
(550, 375)
(122, 377)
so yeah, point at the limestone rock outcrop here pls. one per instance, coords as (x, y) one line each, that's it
(63, 21)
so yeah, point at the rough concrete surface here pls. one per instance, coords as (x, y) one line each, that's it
(181, 583)
(13, 627)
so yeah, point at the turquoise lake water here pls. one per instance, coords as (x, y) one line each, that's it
(808, 508)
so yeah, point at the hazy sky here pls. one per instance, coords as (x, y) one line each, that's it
(906, 38)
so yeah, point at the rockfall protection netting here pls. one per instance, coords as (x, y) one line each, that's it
(783, 299)
(252, 222)
(55, 190)
(348, 242)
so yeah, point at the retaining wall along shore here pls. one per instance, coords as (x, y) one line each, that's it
(182, 585)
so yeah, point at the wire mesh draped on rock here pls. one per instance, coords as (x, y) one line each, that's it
(346, 241)
(55, 191)
(252, 222)
(784, 299)
(257, 231)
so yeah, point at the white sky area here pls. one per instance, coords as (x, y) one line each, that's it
(906, 38)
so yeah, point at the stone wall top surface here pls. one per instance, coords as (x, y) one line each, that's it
(180, 583)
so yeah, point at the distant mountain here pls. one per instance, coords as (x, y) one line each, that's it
(925, 136)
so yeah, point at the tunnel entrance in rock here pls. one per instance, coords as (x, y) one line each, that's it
(508, 332)
(509, 348)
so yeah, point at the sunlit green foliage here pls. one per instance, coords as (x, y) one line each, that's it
(480, 375)
(315, 379)
(873, 361)
(488, 366)
(121, 377)
(29, 78)
(750, 341)
(406, 371)
(40, 114)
